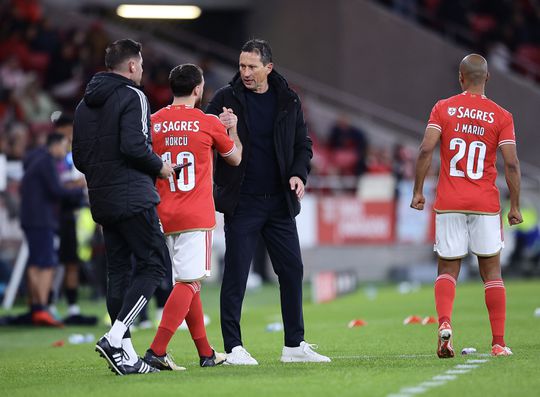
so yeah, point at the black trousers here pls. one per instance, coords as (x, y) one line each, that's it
(128, 290)
(269, 217)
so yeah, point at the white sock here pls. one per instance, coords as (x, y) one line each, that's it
(132, 356)
(116, 333)
(74, 310)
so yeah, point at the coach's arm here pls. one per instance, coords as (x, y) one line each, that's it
(134, 139)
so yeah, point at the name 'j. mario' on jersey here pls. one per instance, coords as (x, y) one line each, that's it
(472, 127)
(185, 135)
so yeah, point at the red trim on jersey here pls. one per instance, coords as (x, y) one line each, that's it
(507, 142)
(436, 126)
(229, 152)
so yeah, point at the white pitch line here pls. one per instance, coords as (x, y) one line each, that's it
(432, 383)
(439, 380)
(413, 390)
(383, 356)
(444, 377)
(457, 371)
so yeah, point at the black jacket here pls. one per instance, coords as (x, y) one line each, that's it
(41, 191)
(291, 141)
(112, 146)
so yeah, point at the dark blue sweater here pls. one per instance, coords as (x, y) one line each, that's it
(262, 171)
(42, 192)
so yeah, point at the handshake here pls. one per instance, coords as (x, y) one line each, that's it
(228, 118)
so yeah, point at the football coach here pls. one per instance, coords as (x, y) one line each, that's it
(262, 196)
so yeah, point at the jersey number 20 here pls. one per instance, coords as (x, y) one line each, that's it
(186, 177)
(472, 157)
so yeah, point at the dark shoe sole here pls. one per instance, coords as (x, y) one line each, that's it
(111, 364)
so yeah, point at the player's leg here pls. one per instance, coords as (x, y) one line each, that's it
(118, 278)
(445, 288)
(143, 236)
(486, 243)
(195, 317)
(241, 234)
(42, 264)
(451, 244)
(190, 255)
(182, 251)
(281, 238)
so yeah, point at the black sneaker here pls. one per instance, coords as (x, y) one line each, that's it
(163, 363)
(140, 367)
(113, 355)
(215, 359)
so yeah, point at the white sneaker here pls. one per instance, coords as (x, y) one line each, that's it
(302, 354)
(240, 356)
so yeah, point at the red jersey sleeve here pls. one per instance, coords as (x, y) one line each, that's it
(154, 122)
(507, 134)
(222, 141)
(435, 119)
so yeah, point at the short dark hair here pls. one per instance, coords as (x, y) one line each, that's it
(184, 78)
(120, 51)
(260, 47)
(54, 137)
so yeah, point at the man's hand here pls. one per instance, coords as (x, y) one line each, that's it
(514, 217)
(418, 201)
(166, 171)
(298, 186)
(228, 118)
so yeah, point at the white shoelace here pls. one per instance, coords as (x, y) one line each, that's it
(244, 352)
(310, 349)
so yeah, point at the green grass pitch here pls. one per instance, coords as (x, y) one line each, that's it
(382, 358)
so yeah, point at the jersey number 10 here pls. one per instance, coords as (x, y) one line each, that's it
(461, 146)
(186, 177)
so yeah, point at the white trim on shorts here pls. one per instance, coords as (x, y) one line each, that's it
(457, 233)
(191, 255)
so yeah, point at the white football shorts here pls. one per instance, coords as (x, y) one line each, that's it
(191, 254)
(455, 233)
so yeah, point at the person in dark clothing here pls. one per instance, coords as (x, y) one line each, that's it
(67, 252)
(262, 196)
(41, 196)
(112, 146)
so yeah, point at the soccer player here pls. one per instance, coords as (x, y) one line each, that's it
(186, 136)
(470, 128)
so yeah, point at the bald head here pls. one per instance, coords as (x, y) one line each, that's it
(473, 70)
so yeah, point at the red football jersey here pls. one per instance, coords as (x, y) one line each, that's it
(472, 128)
(182, 135)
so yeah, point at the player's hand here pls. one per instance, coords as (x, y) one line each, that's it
(228, 118)
(298, 186)
(166, 171)
(418, 201)
(514, 217)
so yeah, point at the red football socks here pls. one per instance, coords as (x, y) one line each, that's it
(496, 305)
(195, 323)
(445, 292)
(174, 313)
